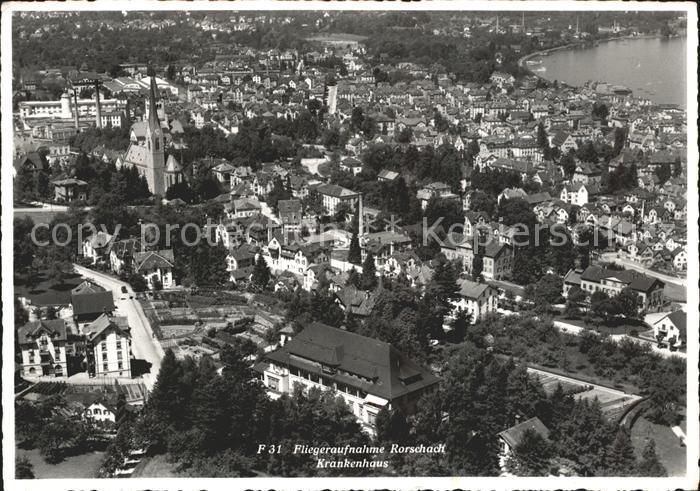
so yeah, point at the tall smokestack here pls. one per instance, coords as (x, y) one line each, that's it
(360, 218)
(75, 109)
(98, 112)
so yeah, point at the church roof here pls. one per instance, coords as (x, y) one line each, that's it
(137, 155)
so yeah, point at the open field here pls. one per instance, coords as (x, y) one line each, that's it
(74, 467)
(47, 291)
(668, 448)
(338, 38)
(156, 466)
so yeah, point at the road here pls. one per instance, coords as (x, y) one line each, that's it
(144, 345)
(612, 257)
(577, 330)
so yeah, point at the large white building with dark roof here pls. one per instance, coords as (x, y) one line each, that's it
(367, 373)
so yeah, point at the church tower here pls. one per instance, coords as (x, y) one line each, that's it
(155, 145)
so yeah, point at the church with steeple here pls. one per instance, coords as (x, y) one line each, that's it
(147, 149)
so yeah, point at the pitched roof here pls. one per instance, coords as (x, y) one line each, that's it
(154, 259)
(356, 301)
(633, 279)
(471, 289)
(55, 329)
(104, 322)
(513, 436)
(288, 206)
(371, 365)
(89, 298)
(335, 191)
(100, 239)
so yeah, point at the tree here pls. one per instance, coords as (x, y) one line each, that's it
(600, 110)
(575, 297)
(137, 282)
(59, 271)
(568, 164)
(354, 253)
(663, 172)
(649, 465)
(164, 409)
(369, 272)
(180, 190)
(620, 459)
(603, 306)
(629, 303)
(545, 292)
(24, 468)
(261, 273)
(532, 456)
(677, 167)
(480, 201)
(542, 140)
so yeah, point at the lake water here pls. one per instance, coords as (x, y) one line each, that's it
(653, 68)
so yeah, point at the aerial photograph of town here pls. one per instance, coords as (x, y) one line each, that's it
(328, 243)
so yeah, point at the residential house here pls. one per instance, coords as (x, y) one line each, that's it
(108, 347)
(356, 302)
(89, 301)
(497, 261)
(156, 267)
(671, 329)
(43, 345)
(649, 289)
(476, 299)
(437, 190)
(334, 195)
(575, 194)
(513, 436)
(69, 190)
(122, 254)
(291, 214)
(97, 246)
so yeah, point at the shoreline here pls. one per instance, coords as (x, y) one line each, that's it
(522, 61)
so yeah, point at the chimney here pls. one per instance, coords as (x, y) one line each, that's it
(98, 111)
(360, 218)
(77, 116)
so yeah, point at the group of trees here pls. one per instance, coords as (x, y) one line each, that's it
(41, 425)
(210, 424)
(110, 138)
(591, 354)
(101, 177)
(481, 395)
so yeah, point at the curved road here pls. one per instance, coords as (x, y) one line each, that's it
(612, 257)
(144, 345)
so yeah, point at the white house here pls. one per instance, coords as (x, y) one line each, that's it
(108, 347)
(672, 328)
(96, 247)
(156, 265)
(476, 299)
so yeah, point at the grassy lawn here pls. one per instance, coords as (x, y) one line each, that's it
(675, 292)
(670, 453)
(617, 326)
(156, 466)
(76, 466)
(47, 292)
